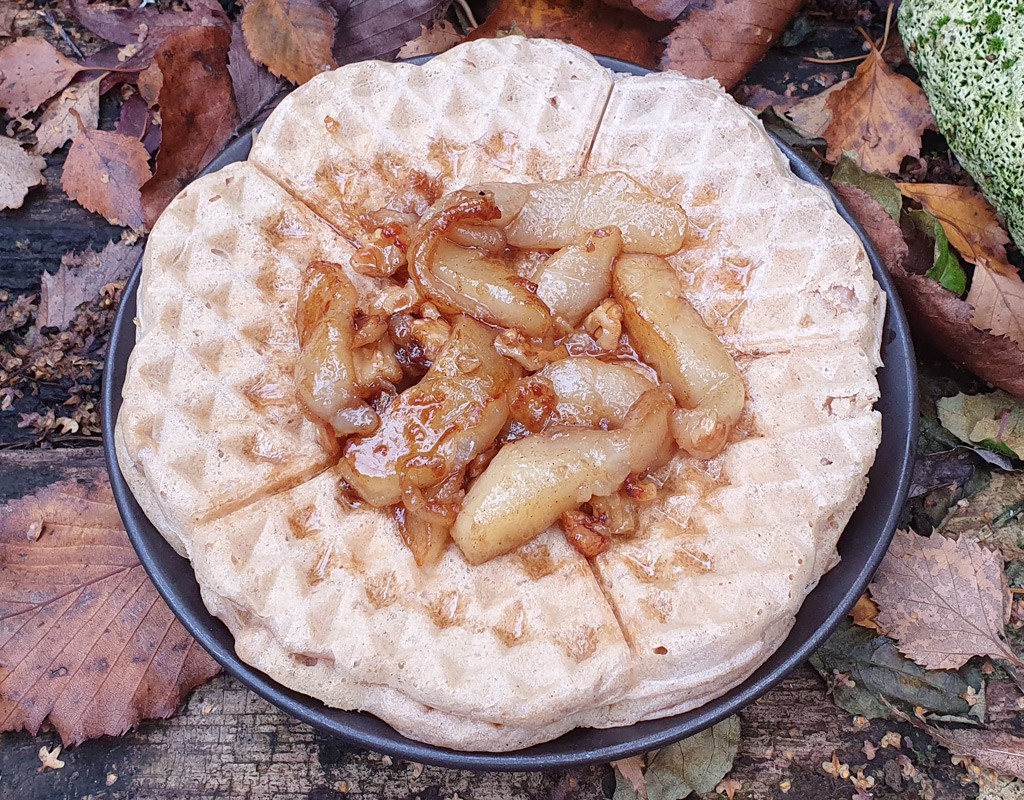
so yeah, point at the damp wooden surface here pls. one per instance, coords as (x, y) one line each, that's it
(226, 742)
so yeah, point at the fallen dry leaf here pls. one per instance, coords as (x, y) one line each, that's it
(969, 221)
(253, 84)
(877, 114)
(995, 420)
(864, 613)
(31, 72)
(881, 228)
(943, 601)
(586, 23)
(972, 227)
(811, 116)
(104, 172)
(997, 294)
(937, 317)
(378, 28)
(50, 759)
(292, 37)
(8, 14)
(655, 9)
(146, 26)
(88, 643)
(723, 39)
(197, 111)
(57, 124)
(632, 770)
(149, 84)
(989, 516)
(696, 764)
(1002, 752)
(729, 787)
(19, 172)
(437, 38)
(62, 292)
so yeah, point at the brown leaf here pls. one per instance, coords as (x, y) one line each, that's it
(943, 601)
(1002, 752)
(437, 38)
(145, 26)
(253, 85)
(972, 227)
(878, 114)
(586, 23)
(104, 172)
(86, 641)
(57, 124)
(880, 227)
(149, 84)
(61, 293)
(811, 115)
(19, 171)
(378, 28)
(292, 37)
(655, 9)
(8, 14)
(722, 39)
(937, 316)
(197, 109)
(969, 221)
(31, 72)
(632, 769)
(864, 613)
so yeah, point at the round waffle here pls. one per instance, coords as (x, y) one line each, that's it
(328, 600)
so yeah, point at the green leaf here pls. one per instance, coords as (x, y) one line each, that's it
(696, 764)
(994, 421)
(885, 191)
(875, 667)
(947, 271)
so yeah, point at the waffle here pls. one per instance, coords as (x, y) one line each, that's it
(364, 137)
(325, 598)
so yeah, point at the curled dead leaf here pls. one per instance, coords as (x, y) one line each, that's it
(31, 72)
(721, 39)
(292, 37)
(104, 172)
(19, 172)
(91, 647)
(864, 613)
(877, 114)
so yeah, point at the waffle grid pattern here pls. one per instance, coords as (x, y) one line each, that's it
(711, 586)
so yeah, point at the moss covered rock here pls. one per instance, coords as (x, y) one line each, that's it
(970, 55)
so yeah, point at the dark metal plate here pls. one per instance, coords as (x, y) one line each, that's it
(862, 546)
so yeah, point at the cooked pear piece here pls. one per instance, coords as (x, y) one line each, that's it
(530, 483)
(670, 336)
(435, 428)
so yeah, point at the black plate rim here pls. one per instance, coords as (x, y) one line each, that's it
(900, 434)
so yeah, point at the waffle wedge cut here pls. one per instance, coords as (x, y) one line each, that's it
(372, 135)
(710, 586)
(509, 650)
(209, 418)
(326, 598)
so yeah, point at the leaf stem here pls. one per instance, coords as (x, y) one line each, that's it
(469, 13)
(848, 60)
